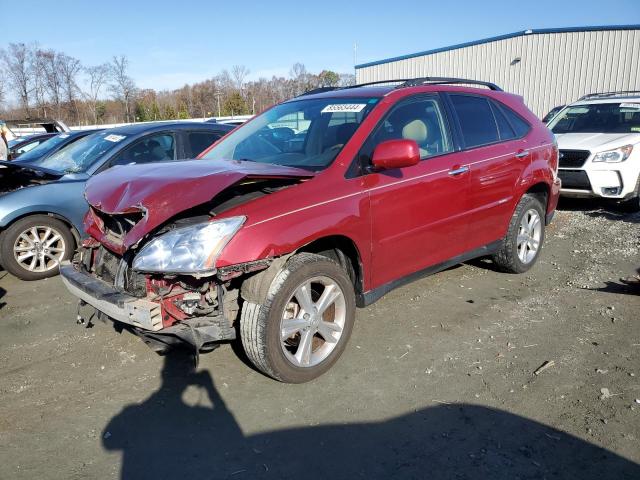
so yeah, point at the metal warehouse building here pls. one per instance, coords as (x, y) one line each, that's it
(548, 67)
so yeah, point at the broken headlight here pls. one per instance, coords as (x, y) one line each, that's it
(192, 249)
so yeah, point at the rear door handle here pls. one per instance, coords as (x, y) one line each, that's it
(459, 170)
(522, 153)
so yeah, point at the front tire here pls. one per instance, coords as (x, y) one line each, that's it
(521, 246)
(296, 329)
(33, 247)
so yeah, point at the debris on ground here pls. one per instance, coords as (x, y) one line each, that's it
(544, 366)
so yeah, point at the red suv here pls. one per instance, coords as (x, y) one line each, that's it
(320, 204)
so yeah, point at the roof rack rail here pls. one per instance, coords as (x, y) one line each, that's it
(448, 80)
(318, 90)
(411, 82)
(621, 93)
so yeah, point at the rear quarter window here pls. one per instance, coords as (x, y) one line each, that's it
(520, 126)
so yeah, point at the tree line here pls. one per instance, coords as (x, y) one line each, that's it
(50, 84)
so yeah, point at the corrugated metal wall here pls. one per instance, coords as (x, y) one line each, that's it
(555, 68)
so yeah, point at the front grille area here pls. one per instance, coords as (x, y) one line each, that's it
(573, 158)
(106, 268)
(576, 179)
(118, 225)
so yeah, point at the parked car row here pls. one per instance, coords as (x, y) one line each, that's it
(42, 200)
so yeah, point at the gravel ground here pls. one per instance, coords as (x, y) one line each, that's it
(437, 382)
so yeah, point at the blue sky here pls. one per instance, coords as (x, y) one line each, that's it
(172, 42)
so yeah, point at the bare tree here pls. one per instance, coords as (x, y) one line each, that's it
(69, 68)
(3, 82)
(239, 73)
(97, 76)
(39, 81)
(346, 80)
(52, 79)
(17, 65)
(300, 78)
(122, 85)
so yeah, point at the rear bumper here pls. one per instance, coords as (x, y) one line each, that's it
(108, 300)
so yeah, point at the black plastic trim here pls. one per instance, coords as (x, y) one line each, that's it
(367, 298)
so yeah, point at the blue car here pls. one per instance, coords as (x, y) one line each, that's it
(53, 144)
(42, 203)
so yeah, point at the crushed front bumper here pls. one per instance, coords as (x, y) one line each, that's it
(108, 300)
(145, 316)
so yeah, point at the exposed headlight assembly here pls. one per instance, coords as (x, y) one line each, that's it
(192, 249)
(614, 156)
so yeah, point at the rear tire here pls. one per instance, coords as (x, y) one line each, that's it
(32, 247)
(522, 244)
(284, 327)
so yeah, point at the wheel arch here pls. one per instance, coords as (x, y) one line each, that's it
(344, 251)
(541, 191)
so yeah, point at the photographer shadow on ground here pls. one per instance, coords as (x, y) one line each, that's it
(164, 438)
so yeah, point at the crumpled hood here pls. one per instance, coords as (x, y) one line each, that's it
(15, 176)
(595, 142)
(163, 190)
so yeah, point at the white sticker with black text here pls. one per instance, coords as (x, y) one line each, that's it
(630, 106)
(114, 138)
(344, 108)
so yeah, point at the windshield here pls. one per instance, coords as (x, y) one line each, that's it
(304, 133)
(44, 148)
(598, 118)
(80, 155)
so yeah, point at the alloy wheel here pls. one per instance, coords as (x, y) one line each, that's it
(529, 235)
(39, 248)
(312, 321)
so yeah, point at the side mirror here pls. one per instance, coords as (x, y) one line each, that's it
(396, 154)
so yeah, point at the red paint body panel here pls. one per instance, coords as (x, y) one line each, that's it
(165, 189)
(400, 220)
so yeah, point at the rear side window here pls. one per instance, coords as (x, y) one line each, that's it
(200, 141)
(517, 122)
(505, 129)
(476, 120)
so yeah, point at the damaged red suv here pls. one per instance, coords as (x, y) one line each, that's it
(321, 204)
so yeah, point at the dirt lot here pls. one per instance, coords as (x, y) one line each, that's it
(437, 382)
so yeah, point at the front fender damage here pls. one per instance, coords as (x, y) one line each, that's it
(197, 310)
(129, 203)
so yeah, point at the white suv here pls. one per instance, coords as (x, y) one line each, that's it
(599, 141)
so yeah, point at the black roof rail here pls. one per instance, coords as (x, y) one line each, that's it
(448, 80)
(621, 93)
(318, 90)
(411, 82)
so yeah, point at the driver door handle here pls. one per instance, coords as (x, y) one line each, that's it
(459, 171)
(522, 153)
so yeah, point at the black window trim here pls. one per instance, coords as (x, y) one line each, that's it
(498, 104)
(356, 171)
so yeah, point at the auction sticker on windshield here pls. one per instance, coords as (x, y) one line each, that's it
(633, 107)
(114, 138)
(344, 108)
